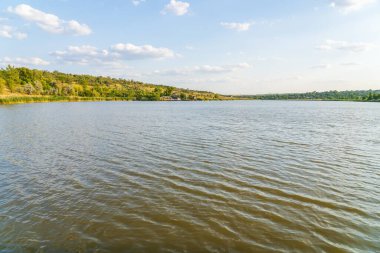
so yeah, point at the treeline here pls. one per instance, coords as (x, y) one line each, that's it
(359, 95)
(24, 81)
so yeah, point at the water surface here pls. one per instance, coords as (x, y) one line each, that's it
(240, 176)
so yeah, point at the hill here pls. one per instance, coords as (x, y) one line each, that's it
(358, 95)
(20, 85)
(31, 85)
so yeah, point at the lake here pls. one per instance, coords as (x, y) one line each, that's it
(233, 176)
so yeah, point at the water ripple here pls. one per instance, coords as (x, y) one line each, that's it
(190, 177)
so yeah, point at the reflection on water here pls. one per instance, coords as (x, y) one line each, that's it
(239, 176)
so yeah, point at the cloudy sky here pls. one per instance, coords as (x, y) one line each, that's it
(225, 46)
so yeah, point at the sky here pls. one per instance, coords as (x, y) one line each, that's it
(224, 46)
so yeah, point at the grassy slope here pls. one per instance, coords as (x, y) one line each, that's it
(23, 85)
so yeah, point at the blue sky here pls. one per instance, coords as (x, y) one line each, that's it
(225, 46)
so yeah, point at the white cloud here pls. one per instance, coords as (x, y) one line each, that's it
(322, 66)
(350, 64)
(84, 50)
(347, 6)
(221, 69)
(101, 60)
(87, 54)
(76, 28)
(330, 45)
(343, 64)
(137, 2)
(177, 8)
(130, 51)
(112, 68)
(49, 22)
(270, 59)
(240, 27)
(82, 55)
(204, 69)
(10, 33)
(34, 61)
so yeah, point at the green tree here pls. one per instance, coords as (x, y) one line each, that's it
(38, 87)
(183, 96)
(68, 90)
(28, 81)
(12, 78)
(2, 85)
(28, 89)
(168, 91)
(158, 90)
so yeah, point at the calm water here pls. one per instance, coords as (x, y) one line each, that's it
(190, 177)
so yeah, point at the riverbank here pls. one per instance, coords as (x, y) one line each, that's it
(20, 85)
(21, 99)
(6, 100)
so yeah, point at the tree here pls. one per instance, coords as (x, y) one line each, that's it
(12, 78)
(28, 89)
(38, 87)
(68, 90)
(169, 91)
(183, 96)
(158, 90)
(154, 96)
(29, 81)
(78, 89)
(2, 85)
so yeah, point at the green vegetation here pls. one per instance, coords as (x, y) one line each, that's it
(19, 85)
(360, 95)
(42, 99)
(23, 85)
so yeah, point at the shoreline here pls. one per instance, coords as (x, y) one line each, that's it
(10, 100)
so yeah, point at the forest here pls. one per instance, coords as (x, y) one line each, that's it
(358, 95)
(19, 84)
